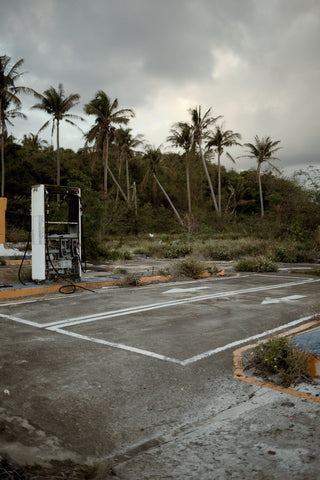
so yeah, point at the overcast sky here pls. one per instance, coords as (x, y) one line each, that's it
(255, 62)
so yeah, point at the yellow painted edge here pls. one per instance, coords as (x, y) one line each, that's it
(204, 275)
(17, 262)
(40, 290)
(157, 278)
(238, 372)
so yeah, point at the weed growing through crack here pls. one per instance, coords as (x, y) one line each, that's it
(278, 357)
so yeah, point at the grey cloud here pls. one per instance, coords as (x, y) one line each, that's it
(138, 50)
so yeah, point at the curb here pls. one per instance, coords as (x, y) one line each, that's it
(238, 370)
(45, 289)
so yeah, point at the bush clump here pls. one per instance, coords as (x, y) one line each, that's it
(130, 281)
(176, 250)
(190, 268)
(259, 264)
(278, 357)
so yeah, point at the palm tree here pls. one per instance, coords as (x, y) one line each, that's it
(34, 141)
(200, 130)
(181, 137)
(57, 105)
(9, 95)
(154, 156)
(220, 140)
(126, 143)
(6, 116)
(262, 150)
(107, 114)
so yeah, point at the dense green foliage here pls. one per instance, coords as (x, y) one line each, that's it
(133, 189)
(291, 210)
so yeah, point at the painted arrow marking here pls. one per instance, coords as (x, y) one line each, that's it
(289, 299)
(184, 290)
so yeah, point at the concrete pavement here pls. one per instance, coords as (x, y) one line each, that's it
(143, 378)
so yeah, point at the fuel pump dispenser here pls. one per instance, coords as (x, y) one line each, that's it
(56, 232)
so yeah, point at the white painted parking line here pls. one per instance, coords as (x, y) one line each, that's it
(191, 360)
(35, 300)
(209, 353)
(21, 320)
(120, 346)
(171, 303)
(60, 325)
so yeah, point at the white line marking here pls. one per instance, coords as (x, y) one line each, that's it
(171, 303)
(121, 346)
(21, 320)
(289, 299)
(190, 360)
(209, 353)
(184, 290)
(21, 302)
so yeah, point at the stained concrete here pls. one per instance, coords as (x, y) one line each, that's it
(72, 391)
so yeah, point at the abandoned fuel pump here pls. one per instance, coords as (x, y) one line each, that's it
(56, 232)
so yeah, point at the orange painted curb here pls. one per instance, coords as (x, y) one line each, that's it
(238, 372)
(45, 289)
(18, 262)
(159, 278)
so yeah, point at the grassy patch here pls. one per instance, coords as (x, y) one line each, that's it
(259, 264)
(277, 357)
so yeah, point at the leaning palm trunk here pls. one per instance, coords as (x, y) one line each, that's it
(106, 166)
(260, 192)
(58, 155)
(118, 185)
(219, 185)
(188, 185)
(127, 177)
(208, 178)
(169, 200)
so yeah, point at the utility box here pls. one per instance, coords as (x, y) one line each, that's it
(56, 232)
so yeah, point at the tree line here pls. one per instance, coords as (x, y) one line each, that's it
(125, 178)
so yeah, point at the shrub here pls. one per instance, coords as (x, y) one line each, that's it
(130, 281)
(117, 255)
(176, 250)
(259, 264)
(278, 357)
(190, 268)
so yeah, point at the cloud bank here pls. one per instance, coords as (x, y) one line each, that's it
(256, 63)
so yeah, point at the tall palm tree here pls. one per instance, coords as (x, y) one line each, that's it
(126, 143)
(262, 150)
(107, 115)
(200, 130)
(9, 96)
(181, 137)
(57, 105)
(222, 139)
(153, 156)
